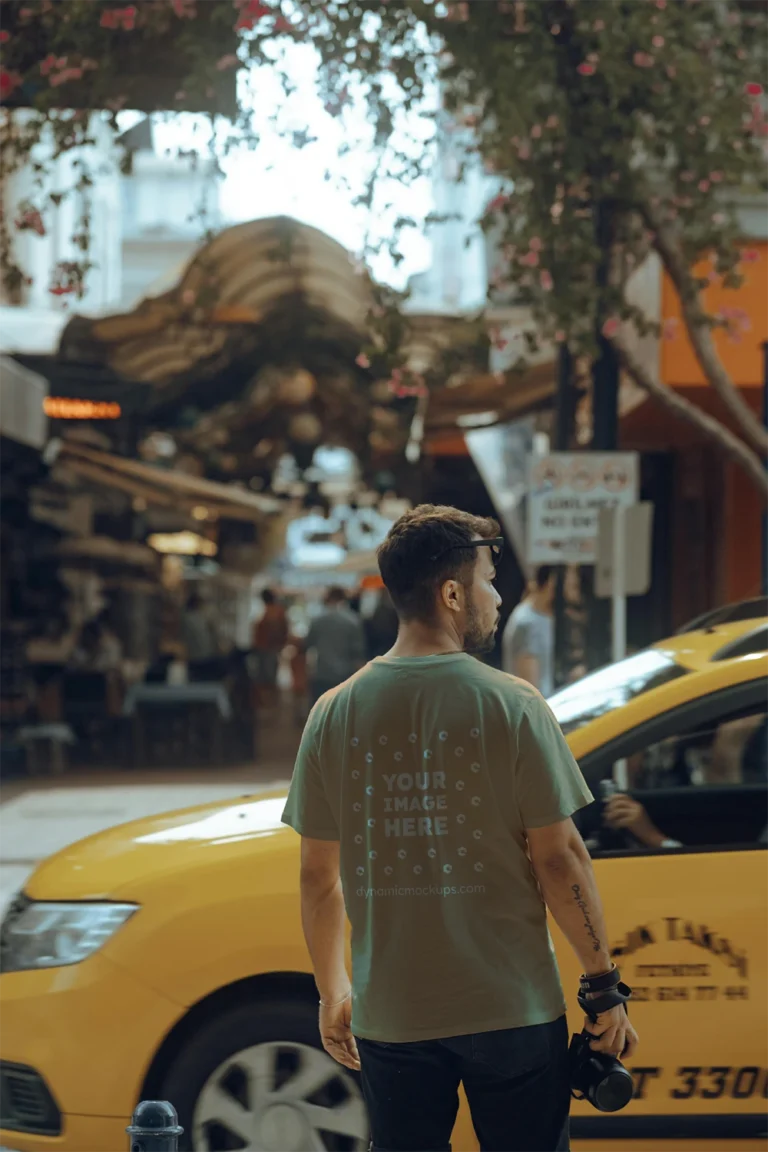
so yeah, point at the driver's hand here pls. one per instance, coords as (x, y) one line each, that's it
(624, 813)
(613, 1033)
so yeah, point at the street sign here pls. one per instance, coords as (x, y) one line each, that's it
(566, 491)
(634, 575)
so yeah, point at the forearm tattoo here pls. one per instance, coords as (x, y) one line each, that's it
(588, 925)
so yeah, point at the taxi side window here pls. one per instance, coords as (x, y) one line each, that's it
(732, 751)
(703, 787)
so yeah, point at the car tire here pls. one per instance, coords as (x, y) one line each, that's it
(255, 1077)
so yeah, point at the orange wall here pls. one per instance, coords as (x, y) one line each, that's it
(744, 358)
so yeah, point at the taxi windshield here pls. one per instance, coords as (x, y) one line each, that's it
(611, 687)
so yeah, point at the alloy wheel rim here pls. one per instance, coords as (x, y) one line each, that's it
(280, 1096)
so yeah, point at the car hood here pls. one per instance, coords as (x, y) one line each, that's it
(122, 858)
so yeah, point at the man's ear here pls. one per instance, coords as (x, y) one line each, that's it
(452, 595)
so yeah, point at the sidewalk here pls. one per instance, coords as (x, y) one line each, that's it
(40, 815)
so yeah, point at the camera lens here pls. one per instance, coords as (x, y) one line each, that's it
(614, 1091)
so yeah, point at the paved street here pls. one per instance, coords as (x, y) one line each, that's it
(41, 815)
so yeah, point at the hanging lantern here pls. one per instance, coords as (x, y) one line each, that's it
(305, 428)
(296, 388)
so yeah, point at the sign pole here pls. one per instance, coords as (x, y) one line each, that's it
(619, 598)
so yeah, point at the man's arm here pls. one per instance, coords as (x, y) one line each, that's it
(527, 667)
(323, 916)
(564, 871)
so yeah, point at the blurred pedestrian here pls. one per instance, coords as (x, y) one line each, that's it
(200, 640)
(381, 626)
(270, 637)
(528, 644)
(336, 639)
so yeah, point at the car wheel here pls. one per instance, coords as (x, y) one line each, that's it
(256, 1078)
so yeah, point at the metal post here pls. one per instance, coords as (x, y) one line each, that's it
(619, 599)
(155, 1127)
(765, 423)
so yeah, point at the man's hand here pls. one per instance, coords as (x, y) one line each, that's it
(614, 1033)
(626, 814)
(336, 1034)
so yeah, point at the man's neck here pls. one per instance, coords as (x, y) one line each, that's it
(417, 639)
(540, 604)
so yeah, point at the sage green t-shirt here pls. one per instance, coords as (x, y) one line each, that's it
(428, 770)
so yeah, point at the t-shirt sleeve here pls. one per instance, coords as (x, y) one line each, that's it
(526, 640)
(550, 784)
(307, 810)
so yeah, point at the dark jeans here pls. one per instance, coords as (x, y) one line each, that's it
(516, 1081)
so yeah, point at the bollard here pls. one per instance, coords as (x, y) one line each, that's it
(155, 1127)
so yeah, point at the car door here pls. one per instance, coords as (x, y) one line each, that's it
(688, 930)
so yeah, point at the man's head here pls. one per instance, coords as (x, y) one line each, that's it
(335, 596)
(544, 585)
(268, 597)
(439, 572)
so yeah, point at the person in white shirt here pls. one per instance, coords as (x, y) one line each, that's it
(528, 644)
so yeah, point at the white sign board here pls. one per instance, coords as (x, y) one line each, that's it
(635, 565)
(566, 491)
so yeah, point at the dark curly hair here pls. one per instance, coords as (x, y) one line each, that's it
(407, 563)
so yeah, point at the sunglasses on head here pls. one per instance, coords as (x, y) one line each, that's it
(495, 543)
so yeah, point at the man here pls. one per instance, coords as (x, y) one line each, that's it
(270, 636)
(434, 797)
(528, 644)
(200, 640)
(337, 639)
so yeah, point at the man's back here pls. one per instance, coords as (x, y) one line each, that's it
(338, 639)
(428, 769)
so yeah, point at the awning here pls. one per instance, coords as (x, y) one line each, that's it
(163, 487)
(237, 279)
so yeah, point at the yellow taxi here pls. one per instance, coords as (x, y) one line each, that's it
(164, 959)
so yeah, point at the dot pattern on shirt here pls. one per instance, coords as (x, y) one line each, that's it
(377, 764)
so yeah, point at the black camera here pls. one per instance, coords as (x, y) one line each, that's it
(601, 1079)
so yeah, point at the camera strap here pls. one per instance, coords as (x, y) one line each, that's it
(610, 998)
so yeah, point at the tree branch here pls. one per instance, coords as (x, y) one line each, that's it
(701, 336)
(728, 442)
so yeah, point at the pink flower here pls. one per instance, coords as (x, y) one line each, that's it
(719, 218)
(586, 69)
(750, 256)
(661, 4)
(716, 177)
(536, 131)
(703, 185)
(658, 41)
(524, 152)
(124, 18)
(251, 12)
(530, 259)
(362, 361)
(560, 336)
(4, 36)
(546, 281)
(611, 327)
(8, 82)
(598, 25)
(553, 121)
(184, 9)
(753, 89)
(671, 71)
(555, 29)
(643, 60)
(535, 244)
(229, 61)
(669, 329)
(498, 202)
(705, 120)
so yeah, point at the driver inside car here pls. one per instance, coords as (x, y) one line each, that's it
(738, 754)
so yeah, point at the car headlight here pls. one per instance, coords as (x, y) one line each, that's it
(41, 934)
